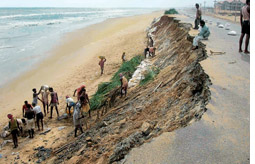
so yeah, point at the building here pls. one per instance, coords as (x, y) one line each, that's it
(230, 5)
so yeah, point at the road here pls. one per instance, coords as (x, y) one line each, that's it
(222, 136)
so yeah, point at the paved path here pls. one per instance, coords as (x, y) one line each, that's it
(222, 136)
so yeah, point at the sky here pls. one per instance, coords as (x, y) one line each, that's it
(103, 3)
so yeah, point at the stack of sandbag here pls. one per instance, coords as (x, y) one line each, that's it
(45, 87)
(101, 57)
(139, 73)
(227, 26)
(232, 33)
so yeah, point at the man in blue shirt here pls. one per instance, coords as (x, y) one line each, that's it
(204, 34)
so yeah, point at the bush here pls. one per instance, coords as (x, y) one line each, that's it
(171, 11)
(127, 69)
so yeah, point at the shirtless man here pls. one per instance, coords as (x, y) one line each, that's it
(45, 101)
(245, 24)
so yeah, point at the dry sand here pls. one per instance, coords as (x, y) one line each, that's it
(72, 63)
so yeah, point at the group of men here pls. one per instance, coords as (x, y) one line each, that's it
(205, 32)
(32, 114)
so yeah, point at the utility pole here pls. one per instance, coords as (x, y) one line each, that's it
(204, 6)
(215, 2)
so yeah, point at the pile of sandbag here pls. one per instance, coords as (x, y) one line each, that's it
(139, 73)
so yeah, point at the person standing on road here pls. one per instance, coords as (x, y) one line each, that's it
(198, 16)
(245, 24)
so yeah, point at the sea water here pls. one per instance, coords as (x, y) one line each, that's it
(27, 34)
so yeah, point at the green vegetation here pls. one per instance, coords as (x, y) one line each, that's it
(149, 76)
(171, 11)
(127, 69)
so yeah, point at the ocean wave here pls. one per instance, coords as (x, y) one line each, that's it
(57, 13)
(5, 47)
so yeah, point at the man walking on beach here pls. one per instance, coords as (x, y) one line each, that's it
(204, 33)
(198, 17)
(30, 115)
(26, 107)
(101, 63)
(39, 115)
(245, 25)
(53, 102)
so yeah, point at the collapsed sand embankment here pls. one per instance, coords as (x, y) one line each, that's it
(177, 96)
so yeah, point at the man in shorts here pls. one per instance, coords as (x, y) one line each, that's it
(53, 102)
(39, 115)
(245, 24)
(30, 115)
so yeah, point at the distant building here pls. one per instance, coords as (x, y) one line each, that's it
(231, 5)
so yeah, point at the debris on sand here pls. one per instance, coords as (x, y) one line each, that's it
(46, 131)
(42, 153)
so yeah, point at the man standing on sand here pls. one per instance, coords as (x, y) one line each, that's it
(26, 107)
(79, 92)
(35, 96)
(198, 17)
(204, 33)
(124, 85)
(45, 101)
(53, 102)
(14, 126)
(101, 63)
(77, 116)
(123, 57)
(30, 115)
(39, 115)
(245, 24)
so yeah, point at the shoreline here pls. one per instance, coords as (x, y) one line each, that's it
(46, 53)
(77, 50)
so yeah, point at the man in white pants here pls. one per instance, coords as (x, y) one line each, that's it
(204, 33)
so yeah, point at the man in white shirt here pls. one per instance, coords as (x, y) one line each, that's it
(69, 104)
(39, 115)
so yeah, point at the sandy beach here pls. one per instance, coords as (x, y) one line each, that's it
(72, 63)
(75, 61)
